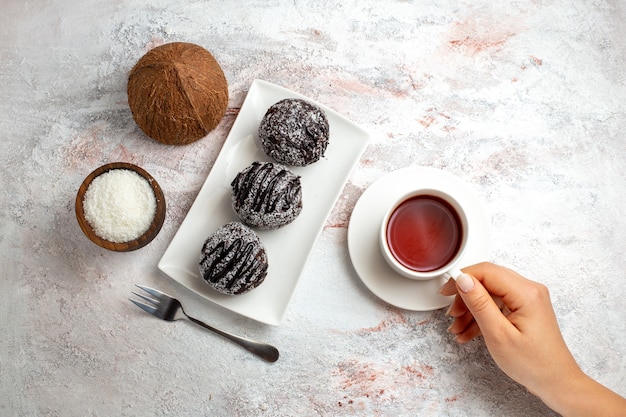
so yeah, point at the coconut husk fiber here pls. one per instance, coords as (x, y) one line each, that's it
(177, 93)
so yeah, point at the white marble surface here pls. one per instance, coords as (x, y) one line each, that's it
(523, 100)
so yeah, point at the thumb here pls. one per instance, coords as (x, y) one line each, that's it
(480, 303)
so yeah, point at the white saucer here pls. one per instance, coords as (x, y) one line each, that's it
(363, 237)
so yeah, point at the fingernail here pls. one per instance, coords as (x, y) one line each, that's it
(448, 310)
(465, 282)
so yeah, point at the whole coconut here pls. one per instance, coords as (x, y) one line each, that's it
(177, 93)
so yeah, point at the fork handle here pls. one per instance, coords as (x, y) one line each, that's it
(263, 350)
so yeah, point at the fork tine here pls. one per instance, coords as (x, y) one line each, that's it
(151, 291)
(148, 299)
(145, 307)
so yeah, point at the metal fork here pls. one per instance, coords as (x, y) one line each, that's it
(169, 308)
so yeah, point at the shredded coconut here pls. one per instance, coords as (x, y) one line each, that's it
(119, 205)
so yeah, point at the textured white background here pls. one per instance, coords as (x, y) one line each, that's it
(523, 100)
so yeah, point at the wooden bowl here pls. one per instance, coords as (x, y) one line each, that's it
(141, 241)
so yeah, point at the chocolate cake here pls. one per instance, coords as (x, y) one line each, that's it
(267, 195)
(233, 259)
(294, 132)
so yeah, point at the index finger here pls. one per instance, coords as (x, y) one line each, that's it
(502, 282)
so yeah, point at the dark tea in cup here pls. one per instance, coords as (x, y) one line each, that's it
(424, 233)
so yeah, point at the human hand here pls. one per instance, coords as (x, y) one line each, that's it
(517, 321)
(519, 326)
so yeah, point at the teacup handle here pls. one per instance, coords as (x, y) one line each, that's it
(453, 273)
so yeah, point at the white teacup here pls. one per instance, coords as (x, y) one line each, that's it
(424, 235)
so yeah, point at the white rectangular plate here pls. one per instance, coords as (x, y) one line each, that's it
(289, 247)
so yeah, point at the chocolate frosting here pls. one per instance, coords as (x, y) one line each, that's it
(267, 195)
(233, 259)
(294, 132)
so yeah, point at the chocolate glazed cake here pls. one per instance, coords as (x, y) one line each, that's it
(294, 132)
(233, 259)
(267, 195)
